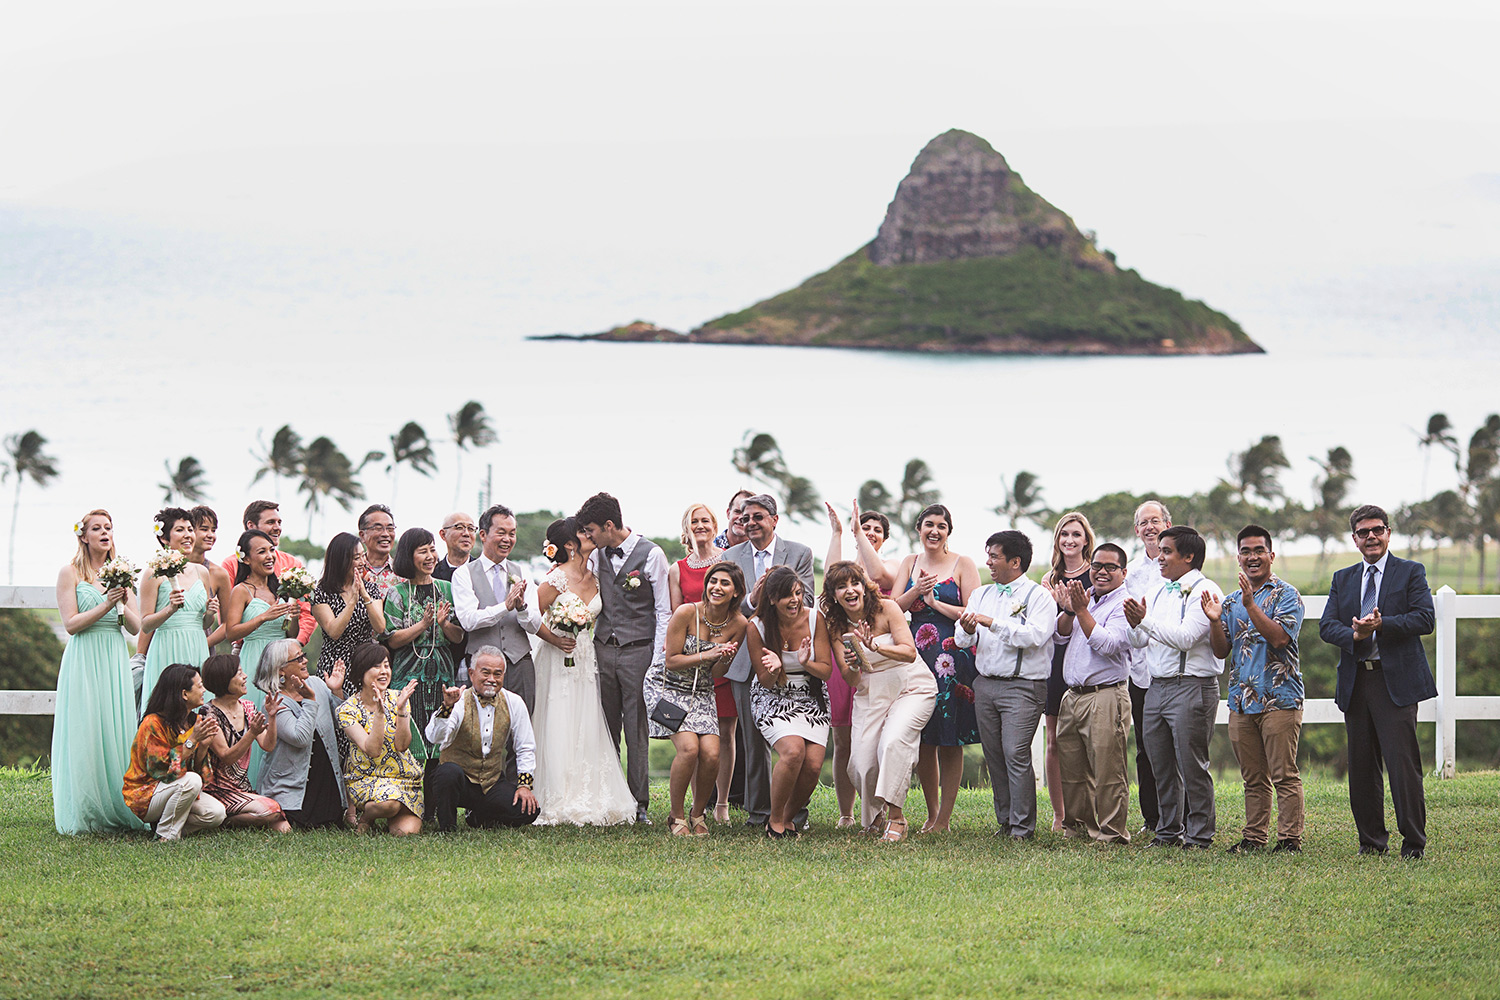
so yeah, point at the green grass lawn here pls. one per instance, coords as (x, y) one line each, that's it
(632, 912)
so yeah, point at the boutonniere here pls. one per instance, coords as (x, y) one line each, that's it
(632, 580)
(515, 578)
(1020, 612)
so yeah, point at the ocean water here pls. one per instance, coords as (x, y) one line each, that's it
(130, 345)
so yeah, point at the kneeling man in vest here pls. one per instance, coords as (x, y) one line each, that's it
(487, 750)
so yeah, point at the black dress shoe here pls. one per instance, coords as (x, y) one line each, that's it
(1247, 846)
(1371, 849)
(1413, 853)
(1289, 846)
(1165, 842)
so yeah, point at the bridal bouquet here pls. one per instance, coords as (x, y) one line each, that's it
(118, 572)
(167, 563)
(293, 585)
(568, 614)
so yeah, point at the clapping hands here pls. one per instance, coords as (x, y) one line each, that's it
(335, 678)
(405, 694)
(1135, 611)
(1212, 606)
(771, 663)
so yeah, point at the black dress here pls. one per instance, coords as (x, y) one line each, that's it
(358, 632)
(1055, 685)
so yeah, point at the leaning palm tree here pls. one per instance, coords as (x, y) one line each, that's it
(327, 474)
(410, 446)
(470, 427)
(1255, 470)
(759, 457)
(1439, 435)
(281, 459)
(185, 483)
(1325, 520)
(917, 491)
(1023, 501)
(24, 457)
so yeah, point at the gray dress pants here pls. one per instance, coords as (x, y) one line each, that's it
(1009, 711)
(622, 680)
(1179, 721)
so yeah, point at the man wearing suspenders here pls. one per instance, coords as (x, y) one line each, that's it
(1011, 623)
(1182, 703)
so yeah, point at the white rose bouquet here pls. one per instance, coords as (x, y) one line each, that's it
(168, 564)
(569, 614)
(294, 585)
(118, 572)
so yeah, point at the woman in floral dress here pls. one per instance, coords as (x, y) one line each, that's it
(383, 778)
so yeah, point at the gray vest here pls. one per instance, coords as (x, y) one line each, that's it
(628, 614)
(506, 633)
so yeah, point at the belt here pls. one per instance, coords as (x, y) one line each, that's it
(1369, 664)
(1091, 688)
(614, 641)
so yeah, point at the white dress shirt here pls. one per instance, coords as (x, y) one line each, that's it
(656, 573)
(1176, 624)
(1143, 578)
(466, 606)
(1364, 574)
(1020, 636)
(441, 732)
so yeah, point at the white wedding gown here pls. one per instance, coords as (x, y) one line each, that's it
(578, 777)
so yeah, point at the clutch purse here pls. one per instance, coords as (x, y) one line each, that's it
(669, 716)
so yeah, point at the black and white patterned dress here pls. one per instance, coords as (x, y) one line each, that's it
(358, 632)
(792, 709)
(691, 689)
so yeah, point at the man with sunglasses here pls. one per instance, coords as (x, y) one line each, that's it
(1095, 716)
(1377, 612)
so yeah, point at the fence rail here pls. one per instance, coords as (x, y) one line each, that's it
(1446, 709)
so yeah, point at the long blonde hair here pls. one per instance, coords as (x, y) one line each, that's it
(82, 565)
(687, 521)
(1058, 573)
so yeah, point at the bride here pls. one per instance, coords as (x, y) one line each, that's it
(578, 775)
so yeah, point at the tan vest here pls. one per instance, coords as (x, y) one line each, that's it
(467, 748)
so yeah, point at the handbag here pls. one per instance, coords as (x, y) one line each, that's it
(669, 716)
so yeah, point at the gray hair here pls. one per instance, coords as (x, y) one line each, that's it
(765, 501)
(487, 651)
(272, 659)
(1165, 514)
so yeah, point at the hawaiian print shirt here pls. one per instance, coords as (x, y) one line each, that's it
(1261, 678)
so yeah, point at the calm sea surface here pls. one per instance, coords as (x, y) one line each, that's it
(128, 347)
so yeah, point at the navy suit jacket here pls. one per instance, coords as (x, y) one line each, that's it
(1406, 614)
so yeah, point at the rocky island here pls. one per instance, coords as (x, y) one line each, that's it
(971, 260)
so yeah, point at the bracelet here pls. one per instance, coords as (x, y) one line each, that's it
(1070, 613)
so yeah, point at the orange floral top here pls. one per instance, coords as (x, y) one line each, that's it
(156, 756)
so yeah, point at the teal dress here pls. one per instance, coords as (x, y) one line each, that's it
(179, 639)
(94, 727)
(250, 649)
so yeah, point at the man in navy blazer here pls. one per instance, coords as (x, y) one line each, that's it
(1378, 610)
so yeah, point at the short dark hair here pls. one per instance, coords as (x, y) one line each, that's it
(741, 492)
(600, 509)
(1366, 512)
(1255, 531)
(932, 508)
(560, 533)
(875, 515)
(366, 657)
(1186, 541)
(337, 560)
(1112, 547)
(411, 540)
(218, 670)
(1013, 545)
(255, 509)
(166, 701)
(491, 512)
(374, 508)
(204, 515)
(169, 516)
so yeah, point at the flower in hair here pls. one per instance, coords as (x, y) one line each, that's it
(550, 551)
(78, 529)
(156, 527)
(238, 555)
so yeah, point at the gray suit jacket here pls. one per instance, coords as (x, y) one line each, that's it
(783, 553)
(283, 773)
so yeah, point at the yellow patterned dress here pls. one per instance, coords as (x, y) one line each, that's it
(394, 775)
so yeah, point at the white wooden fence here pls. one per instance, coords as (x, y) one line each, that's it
(1446, 709)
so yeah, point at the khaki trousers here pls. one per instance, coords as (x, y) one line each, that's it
(1265, 744)
(1092, 731)
(182, 806)
(890, 708)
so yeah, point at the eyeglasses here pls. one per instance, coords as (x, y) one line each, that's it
(299, 658)
(1099, 567)
(1150, 522)
(743, 518)
(460, 527)
(1374, 532)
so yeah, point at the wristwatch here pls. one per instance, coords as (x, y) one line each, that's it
(189, 744)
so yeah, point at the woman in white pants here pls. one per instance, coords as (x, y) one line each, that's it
(170, 759)
(894, 693)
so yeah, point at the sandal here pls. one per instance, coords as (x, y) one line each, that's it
(844, 823)
(678, 827)
(894, 834)
(699, 825)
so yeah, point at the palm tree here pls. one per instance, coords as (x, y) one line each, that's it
(760, 458)
(1479, 471)
(1326, 518)
(327, 473)
(1254, 470)
(470, 427)
(1439, 434)
(187, 483)
(800, 500)
(281, 459)
(24, 457)
(1023, 501)
(874, 496)
(917, 490)
(410, 445)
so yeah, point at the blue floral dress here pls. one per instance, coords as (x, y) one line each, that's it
(953, 721)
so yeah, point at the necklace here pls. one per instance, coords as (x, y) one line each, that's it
(712, 558)
(714, 628)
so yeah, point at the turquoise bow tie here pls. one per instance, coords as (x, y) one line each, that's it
(1174, 587)
(1002, 588)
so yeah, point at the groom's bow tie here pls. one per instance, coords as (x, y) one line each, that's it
(614, 550)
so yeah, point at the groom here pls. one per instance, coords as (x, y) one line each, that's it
(631, 632)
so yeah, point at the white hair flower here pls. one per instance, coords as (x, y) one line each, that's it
(156, 527)
(238, 555)
(78, 529)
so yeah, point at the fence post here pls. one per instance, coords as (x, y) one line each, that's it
(1445, 603)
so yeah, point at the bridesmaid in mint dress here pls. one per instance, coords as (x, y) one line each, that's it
(257, 615)
(96, 719)
(176, 624)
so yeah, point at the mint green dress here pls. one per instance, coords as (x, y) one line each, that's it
(179, 639)
(250, 649)
(94, 727)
